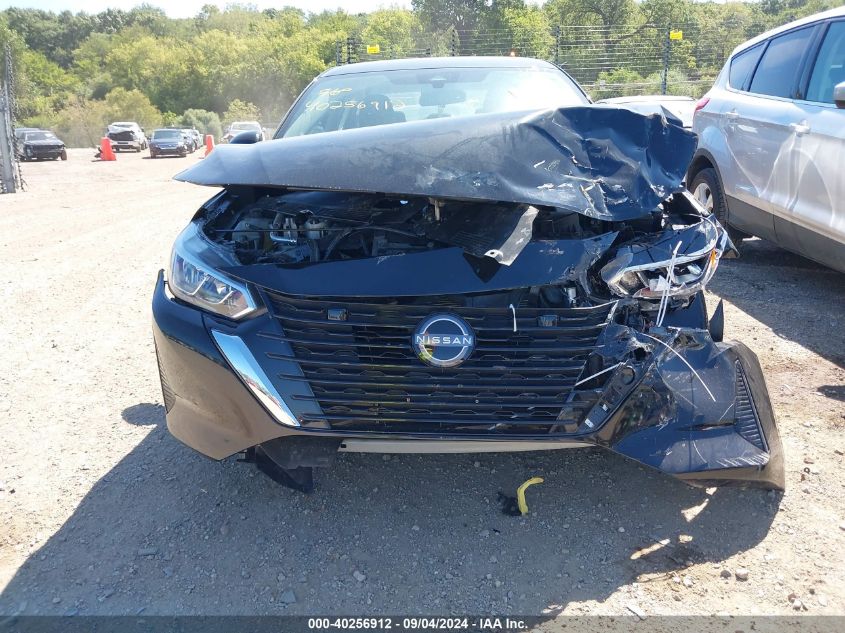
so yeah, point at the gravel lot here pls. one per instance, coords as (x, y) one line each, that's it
(102, 512)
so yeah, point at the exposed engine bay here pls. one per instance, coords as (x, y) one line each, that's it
(298, 228)
(313, 226)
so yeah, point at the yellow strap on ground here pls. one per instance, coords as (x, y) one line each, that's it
(520, 493)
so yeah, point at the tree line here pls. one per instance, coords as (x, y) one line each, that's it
(75, 72)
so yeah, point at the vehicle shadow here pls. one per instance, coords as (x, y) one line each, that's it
(167, 531)
(810, 304)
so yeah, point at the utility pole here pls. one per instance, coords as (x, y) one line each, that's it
(667, 46)
(350, 50)
(557, 45)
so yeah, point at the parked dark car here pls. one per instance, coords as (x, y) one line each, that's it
(190, 141)
(456, 255)
(196, 137)
(20, 131)
(33, 144)
(168, 142)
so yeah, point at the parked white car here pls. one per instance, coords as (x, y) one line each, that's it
(682, 108)
(772, 139)
(127, 135)
(243, 126)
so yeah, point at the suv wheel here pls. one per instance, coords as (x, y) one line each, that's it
(707, 189)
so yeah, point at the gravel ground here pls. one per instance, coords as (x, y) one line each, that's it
(102, 512)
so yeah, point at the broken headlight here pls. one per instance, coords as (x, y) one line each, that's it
(677, 263)
(196, 282)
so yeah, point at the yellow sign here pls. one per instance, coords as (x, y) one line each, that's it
(676, 35)
(373, 49)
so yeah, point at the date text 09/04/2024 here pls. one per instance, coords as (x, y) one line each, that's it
(418, 624)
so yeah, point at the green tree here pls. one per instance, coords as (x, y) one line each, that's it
(42, 85)
(82, 122)
(131, 105)
(241, 111)
(54, 36)
(203, 120)
(529, 31)
(617, 83)
(393, 30)
(467, 17)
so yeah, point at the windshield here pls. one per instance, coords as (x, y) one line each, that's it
(166, 134)
(245, 126)
(40, 136)
(374, 98)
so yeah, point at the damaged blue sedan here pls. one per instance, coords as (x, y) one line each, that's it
(457, 255)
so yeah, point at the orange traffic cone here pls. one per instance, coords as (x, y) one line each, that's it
(209, 144)
(106, 152)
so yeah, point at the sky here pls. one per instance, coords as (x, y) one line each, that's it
(189, 8)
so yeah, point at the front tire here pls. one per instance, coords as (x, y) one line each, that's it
(707, 189)
(63, 155)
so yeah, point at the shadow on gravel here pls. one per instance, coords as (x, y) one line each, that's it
(807, 307)
(143, 414)
(834, 392)
(169, 532)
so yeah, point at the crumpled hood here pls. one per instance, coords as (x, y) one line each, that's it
(122, 133)
(47, 142)
(605, 162)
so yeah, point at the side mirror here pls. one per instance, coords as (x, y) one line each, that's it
(246, 138)
(839, 95)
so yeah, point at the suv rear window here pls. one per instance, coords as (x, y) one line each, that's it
(778, 69)
(742, 66)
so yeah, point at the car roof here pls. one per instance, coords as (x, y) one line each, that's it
(419, 63)
(838, 12)
(645, 99)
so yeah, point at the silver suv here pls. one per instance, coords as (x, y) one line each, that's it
(772, 139)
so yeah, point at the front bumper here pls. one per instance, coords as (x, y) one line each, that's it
(121, 145)
(43, 152)
(710, 426)
(168, 151)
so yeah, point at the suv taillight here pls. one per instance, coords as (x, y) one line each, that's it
(701, 103)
